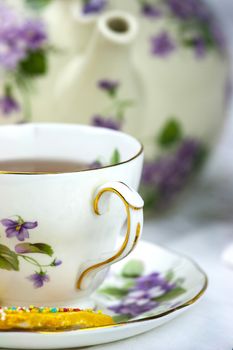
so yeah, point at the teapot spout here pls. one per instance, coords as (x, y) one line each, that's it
(108, 56)
(84, 26)
(115, 32)
(118, 27)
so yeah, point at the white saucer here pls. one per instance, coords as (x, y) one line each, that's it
(169, 285)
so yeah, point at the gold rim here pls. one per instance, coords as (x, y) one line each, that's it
(192, 301)
(73, 172)
(177, 308)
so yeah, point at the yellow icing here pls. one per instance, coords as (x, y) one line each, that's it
(47, 321)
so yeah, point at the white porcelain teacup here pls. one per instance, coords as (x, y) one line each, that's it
(59, 231)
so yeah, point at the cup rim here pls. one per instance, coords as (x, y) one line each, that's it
(82, 126)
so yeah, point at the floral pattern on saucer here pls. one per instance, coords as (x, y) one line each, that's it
(132, 294)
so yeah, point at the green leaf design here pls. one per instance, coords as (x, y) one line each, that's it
(200, 158)
(116, 157)
(174, 293)
(170, 134)
(170, 275)
(179, 281)
(121, 318)
(34, 64)
(114, 292)
(121, 107)
(40, 248)
(133, 269)
(8, 259)
(37, 4)
(130, 283)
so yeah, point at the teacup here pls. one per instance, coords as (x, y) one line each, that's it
(59, 232)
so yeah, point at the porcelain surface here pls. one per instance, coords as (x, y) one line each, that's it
(158, 70)
(165, 282)
(59, 230)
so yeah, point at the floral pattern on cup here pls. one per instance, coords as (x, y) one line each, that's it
(115, 159)
(134, 293)
(17, 228)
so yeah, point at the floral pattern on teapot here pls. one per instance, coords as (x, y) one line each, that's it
(113, 115)
(17, 228)
(23, 58)
(163, 177)
(195, 25)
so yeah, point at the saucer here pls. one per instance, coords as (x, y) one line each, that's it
(147, 289)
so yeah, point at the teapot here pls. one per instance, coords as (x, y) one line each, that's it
(115, 44)
(156, 69)
(99, 80)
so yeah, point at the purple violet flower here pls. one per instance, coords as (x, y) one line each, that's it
(18, 228)
(33, 33)
(94, 6)
(162, 44)
(110, 86)
(8, 105)
(150, 11)
(38, 279)
(151, 282)
(56, 262)
(199, 47)
(166, 176)
(10, 56)
(108, 123)
(11, 52)
(186, 154)
(187, 9)
(18, 36)
(133, 307)
(96, 165)
(11, 47)
(140, 298)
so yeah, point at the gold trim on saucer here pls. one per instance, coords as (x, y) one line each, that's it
(146, 319)
(151, 318)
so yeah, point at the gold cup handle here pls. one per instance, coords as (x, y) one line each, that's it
(134, 211)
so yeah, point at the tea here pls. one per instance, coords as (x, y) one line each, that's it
(42, 165)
